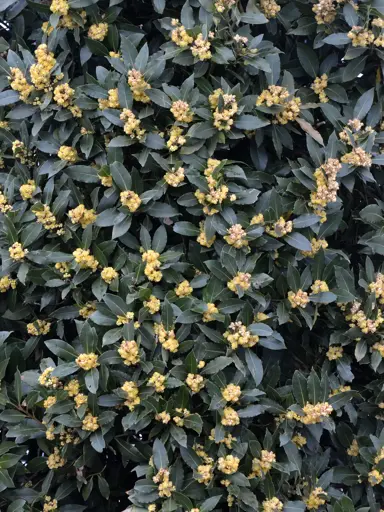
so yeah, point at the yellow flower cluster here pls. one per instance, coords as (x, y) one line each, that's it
(257, 219)
(319, 86)
(63, 95)
(48, 402)
(335, 352)
(151, 270)
(21, 152)
(273, 505)
(223, 115)
(158, 382)
(316, 498)
(274, 95)
(55, 460)
(270, 8)
(16, 251)
(280, 228)
(166, 338)
(80, 399)
(353, 450)
(50, 504)
(316, 245)
(325, 12)
(377, 287)
(87, 310)
(90, 423)
(180, 36)
(236, 236)
(182, 414)
(183, 289)
(176, 139)
(201, 48)
(108, 274)
(241, 280)
(175, 176)
(358, 318)
(238, 335)
(138, 86)
(228, 464)
(231, 393)
(6, 283)
(224, 5)
(379, 347)
(217, 191)
(299, 299)
(41, 72)
(47, 219)
(205, 473)
(27, 189)
(326, 186)
(46, 380)
(202, 238)
(38, 327)
(375, 477)
(152, 304)
(125, 319)
(68, 154)
(130, 199)
(182, 111)
(230, 417)
(319, 286)
(132, 394)
(357, 157)
(106, 181)
(98, 32)
(19, 83)
(132, 124)
(60, 7)
(129, 351)
(4, 206)
(87, 361)
(111, 102)
(85, 260)
(195, 382)
(63, 268)
(291, 111)
(72, 388)
(80, 215)
(262, 466)
(165, 487)
(315, 413)
(228, 439)
(360, 37)
(299, 440)
(164, 417)
(210, 311)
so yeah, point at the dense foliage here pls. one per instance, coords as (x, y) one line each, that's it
(191, 243)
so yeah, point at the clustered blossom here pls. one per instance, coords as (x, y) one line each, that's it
(270, 8)
(201, 48)
(326, 186)
(158, 382)
(218, 191)
(357, 157)
(238, 335)
(195, 382)
(262, 466)
(80, 215)
(152, 304)
(182, 111)
(165, 485)
(316, 498)
(316, 245)
(278, 95)
(377, 287)
(152, 265)
(132, 124)
(361, 37)
(223, 117)
(325, 12)
(224, 5)
(183, 289)
(280, 228)
(38, 327)
(166, 338)
(319, 86)
(16, 251)
(138, 86)
(174, 177)
(298, 299)
(319, 286)
(273, 505)
(111, 102)
(131, 393)
(358, 318)
(176, 139)
(130, 199)
(335, 352)
(98, 32)
(242, 281)
(231, 393)
(228, 464)
(87, 361)
(236, 236)
(129, 352)
(108, 274)
(208, 315)
(85, 260)
(68, 154)
(6, 283)
(41, 71)
(180, 36)
(27, 190)
(19, 83)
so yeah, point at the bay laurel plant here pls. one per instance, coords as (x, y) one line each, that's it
(191, 245)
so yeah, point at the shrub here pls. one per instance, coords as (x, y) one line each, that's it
(192, 234)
